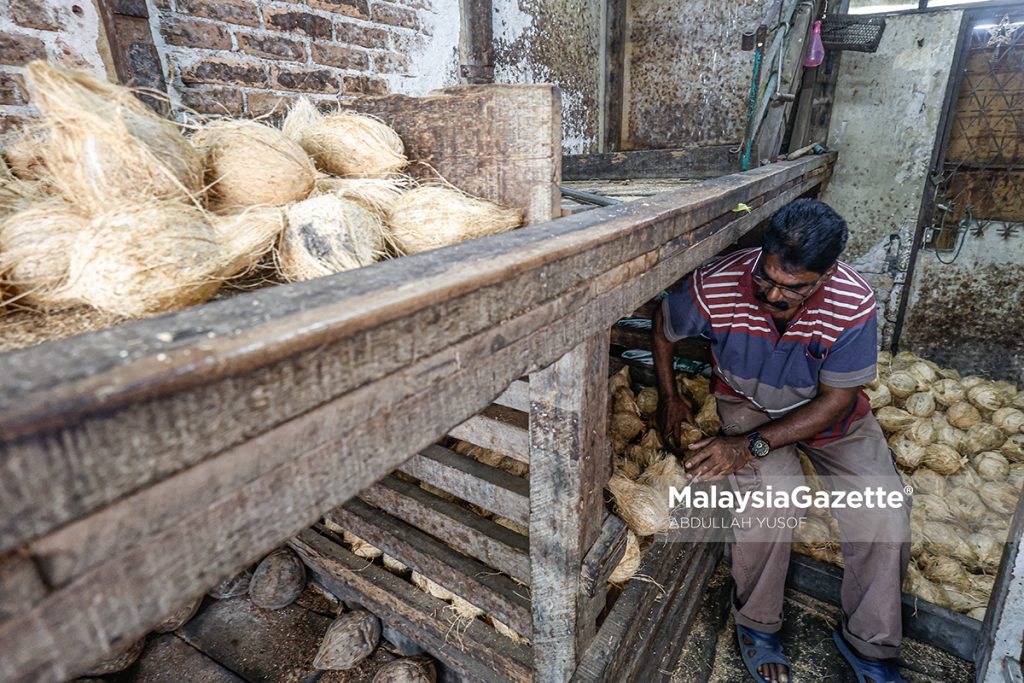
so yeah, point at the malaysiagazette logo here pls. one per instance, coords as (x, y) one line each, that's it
(801, 497)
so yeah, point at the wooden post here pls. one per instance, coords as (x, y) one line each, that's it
(1000, 645)
(570, 463)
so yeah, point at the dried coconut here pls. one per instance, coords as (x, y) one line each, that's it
(326, 235)
(435, 216)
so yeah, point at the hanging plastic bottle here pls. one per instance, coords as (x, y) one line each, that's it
(816, 52)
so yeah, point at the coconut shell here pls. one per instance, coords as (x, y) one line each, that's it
(985, 396)
(118, 662)
(942, 459)
(248, 163)
(644, 509)
(326, 235)
(1009, 419)
(407, 670)
(349, 640)
(630, 562)
(894, 420)
(963, 415)
(434, 216)
(1013, 448)
(878, 396)
(278, 580)
(920, 404)
(982, 437)
(992, 466)
(179, 617)
(35, 247)
(947, 392)
(707, 419)
(232, 586)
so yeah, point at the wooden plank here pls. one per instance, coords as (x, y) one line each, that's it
(710, 161)
(229, 360)
(470, 579)
(492, 489)
(20, 583)
(499, 429)
(289, 475)
(516, 150)
(693, 349)
(467, 532)
(603, 556)
(999, 644)
(615, 59)
(570, 464)
(517, 396)
(476, 43)
(477, 652)
(773, 127)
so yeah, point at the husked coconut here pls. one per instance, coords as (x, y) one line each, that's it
(1000, 497)
(985, 396)
(925, 480)
(965, 504)
(349, 640)
(1013, 448)
(647, 401)
(963, 415)
(278, 580)
(1009, 419)
(909, 454)
(326, 235)
(630, 562)
(232, 586)
(247, 237)
(878, 396)
(893, 420)
(947, 392)
(407, 670)
(901, 384)
(942, 459)
(920, 404)
(179, 617)
(982, 437)
(644, 509)
(434, 216)
(992, 466)
(707, 419)
(35, 245)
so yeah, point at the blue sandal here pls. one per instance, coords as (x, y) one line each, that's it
(767, 649)
(867, 669)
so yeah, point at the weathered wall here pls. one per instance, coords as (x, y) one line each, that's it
(968, 315)
(686, 79)
(65, 31)
(560, 42)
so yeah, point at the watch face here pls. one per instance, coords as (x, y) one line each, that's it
(759, 448)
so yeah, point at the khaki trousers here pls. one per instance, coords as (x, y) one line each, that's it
(875, 542)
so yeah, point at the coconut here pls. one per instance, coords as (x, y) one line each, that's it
(249, 163)
(642, 456)
(963, 600)
(947, 540)
(328, 235)
(971, 381)
(35, 244)
(982, 437)
(909, 454)
(105, 146)
(922, 432)
(903, 360)
(1009, 419)
(985, 396)
(893, 420)
(925, 480)
(1000, 497)
(232, 586)
(361, 548)
(965, 504)
(920, 404)
(435, 216)
(1016, 476)
(924, 373)
(630, 562)
(21, 150)
(992, 466)
(945, 433)
(503, 628)
(813, 532)
(664, 473)
(978, 613)
(430, 587)
(917, 585)
(945, 571)
(144, 259)
(942, 459)
(624, 426)
(651, 439)
(465, 610)
(879, 396)
(118, 662)
(627, 467)
(374, 194)
(987, 548)
(407, 670)
(644, 509)
(349, 640)
(278, 580)
(647, 401)
(901, 384)
(1013, 448)
(246, 237)
(619, 379)
(947, 392)
(697, 388)
(394, 566)
(1008, 390)
(1018, 401)
(624, 402)
(963, 415)
(346, 143)
(179, 617)
(707, 419)
(932, 507)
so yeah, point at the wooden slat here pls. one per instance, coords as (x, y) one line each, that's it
(570, 463)
(517, 396)
(471, 580)
(20, 583)
(603, 556)
(687, 162)
(477, 653)
(615, 72)
(467, 532)
(999, 645)
(495, 490)
(322, 440)
(499, 429)
(773, 127)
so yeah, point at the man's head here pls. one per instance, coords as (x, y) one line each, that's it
(800, 250)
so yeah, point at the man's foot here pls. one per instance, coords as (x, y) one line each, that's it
(762, 653)
(866, 669)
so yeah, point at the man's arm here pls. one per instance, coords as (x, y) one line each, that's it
(718, 457)
(672, 408)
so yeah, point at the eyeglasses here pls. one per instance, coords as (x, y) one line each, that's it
(793, 294)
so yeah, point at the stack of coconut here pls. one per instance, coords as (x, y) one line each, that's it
(105, 204)
(958, 442)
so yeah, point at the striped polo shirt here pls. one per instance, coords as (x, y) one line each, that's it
(831, 340)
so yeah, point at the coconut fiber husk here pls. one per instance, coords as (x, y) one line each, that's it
(21, 151)
(249, 163)
(35, 248)
(246, 237)
(435, 216)
(105, 146)
(326, 235)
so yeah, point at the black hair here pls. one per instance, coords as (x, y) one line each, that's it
(806, 235)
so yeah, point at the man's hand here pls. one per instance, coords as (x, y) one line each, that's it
(672, 411)
(717, 457)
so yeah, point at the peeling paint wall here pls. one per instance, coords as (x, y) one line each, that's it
(687, 79)
(886, 113)
(560, 42)
(968, 315)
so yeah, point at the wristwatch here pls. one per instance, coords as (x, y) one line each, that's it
(758, 445)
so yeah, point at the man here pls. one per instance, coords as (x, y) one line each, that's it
(793, 335)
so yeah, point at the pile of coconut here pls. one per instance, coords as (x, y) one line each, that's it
(105, 204)
(958, 442)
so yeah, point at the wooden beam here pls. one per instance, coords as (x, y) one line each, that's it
(603, 556)
(494, 490)
(614, 76)
(477, 652)
(470, 579)
(476, 44)
(570, 464)
(517, 396)
(340, 425)
(999, 647)
(467, 532)
(773, 128)
(498, 429)
(688, 162)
